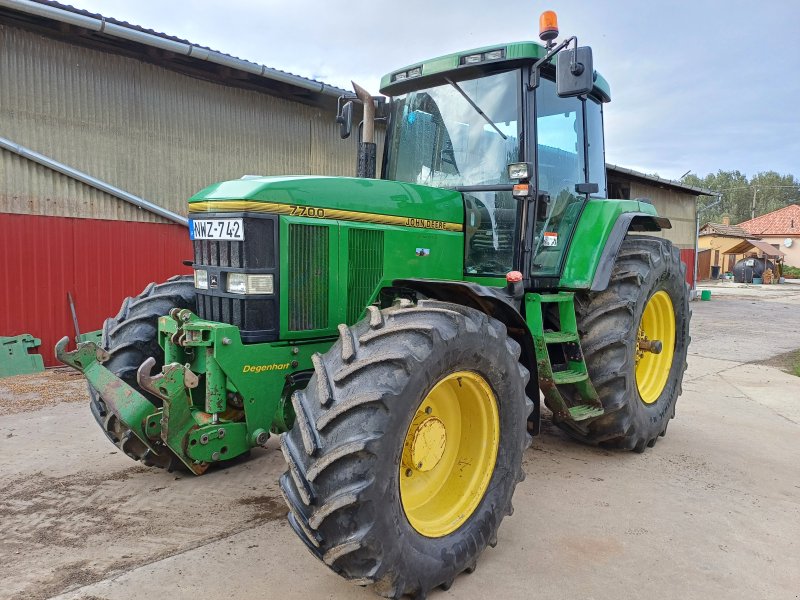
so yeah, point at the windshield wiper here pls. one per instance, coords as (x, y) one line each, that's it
(476, 107)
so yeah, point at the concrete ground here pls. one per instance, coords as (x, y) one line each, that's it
(713, 511)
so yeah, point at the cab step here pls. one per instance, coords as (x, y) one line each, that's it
(567, 337)
(560, 337)
(584, 411)
(569, 376)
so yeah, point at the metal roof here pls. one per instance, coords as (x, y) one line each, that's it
(745, 245)
(668, 183)
(107, 26)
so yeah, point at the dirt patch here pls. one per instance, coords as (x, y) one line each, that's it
(268, 508)
(786, 361)
(22, 393)
(60, 533)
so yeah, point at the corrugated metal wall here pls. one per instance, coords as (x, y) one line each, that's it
(153, 132)
(680, 209)
(677, 207)
(98, 262)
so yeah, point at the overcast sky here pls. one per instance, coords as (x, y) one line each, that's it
(699, 85)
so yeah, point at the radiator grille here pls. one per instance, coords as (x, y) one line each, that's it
(365, 269)
(308, 277)
(256, 317)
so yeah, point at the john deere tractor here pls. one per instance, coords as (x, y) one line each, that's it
(400, 334)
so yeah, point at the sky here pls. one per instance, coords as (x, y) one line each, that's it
(696, 86)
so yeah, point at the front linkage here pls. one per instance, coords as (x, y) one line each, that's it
(219, 397)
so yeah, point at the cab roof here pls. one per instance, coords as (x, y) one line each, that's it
(471, 63)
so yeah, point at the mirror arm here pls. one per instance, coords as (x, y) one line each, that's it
(533, 82)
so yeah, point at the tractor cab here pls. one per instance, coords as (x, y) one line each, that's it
(525, 148)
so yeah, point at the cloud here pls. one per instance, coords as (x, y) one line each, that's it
(700, 85)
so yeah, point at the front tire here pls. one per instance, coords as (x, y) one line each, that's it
(442, 374)
(647, 299)
(130, 338)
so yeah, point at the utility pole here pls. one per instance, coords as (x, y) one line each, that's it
(753, 208)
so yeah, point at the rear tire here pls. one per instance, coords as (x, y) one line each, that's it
(130, 338)
(608, 323)
(346, 450)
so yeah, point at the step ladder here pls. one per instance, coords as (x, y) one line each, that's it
(574, 371)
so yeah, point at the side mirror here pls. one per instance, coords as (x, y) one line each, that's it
(345, 120)
(574, 72)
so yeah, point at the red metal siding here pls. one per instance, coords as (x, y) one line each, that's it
(98, 262)
(687, 258)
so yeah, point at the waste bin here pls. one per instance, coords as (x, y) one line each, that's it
(715, 270)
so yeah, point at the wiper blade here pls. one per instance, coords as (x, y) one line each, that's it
(476, 107)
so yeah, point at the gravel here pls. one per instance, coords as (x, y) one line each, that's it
(21, 393)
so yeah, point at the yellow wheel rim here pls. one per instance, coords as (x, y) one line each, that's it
(657, 324)
(449, 454)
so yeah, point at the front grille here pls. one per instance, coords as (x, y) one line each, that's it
(255, 316)
(365, 269)
(309, 277)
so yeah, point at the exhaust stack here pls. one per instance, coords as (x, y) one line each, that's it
(367, 149)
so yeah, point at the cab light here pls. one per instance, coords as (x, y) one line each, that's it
(415, 72)
(494, 55)
(548, 26)
(472, 59)
(521, 190)
(201, 279)
(522, 170)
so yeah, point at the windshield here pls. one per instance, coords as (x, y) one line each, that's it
(456, 134)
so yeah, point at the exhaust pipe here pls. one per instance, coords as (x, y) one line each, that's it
(367, 149)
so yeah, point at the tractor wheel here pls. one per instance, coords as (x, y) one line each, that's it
(646, 301)
(407, 446)
(130, 338)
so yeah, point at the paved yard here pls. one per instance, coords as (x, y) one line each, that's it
(713, 511)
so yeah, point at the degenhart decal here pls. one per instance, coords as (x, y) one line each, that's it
(262, 368)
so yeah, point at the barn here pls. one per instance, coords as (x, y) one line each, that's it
(672, 199)
(106, 128)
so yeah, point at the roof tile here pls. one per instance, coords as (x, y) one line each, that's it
(784, 221)
(720, 229)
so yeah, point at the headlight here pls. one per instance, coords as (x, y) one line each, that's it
(201, 279)
(243, 283)
(521, 170)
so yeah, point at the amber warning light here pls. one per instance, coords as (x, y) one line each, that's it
(548, 26)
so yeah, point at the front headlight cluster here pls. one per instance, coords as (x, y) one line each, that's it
(239, 283)
(244, 283)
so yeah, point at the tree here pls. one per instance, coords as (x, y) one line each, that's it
(771, 190)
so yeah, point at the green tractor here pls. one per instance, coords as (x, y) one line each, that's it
(400, 333)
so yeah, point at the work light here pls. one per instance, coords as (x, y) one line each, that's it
(201, 279)
(244, 283)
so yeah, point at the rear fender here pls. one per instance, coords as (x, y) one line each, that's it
(632, 221)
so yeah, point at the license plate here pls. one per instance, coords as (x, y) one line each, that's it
(216, 229)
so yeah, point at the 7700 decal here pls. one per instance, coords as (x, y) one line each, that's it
(307, 211)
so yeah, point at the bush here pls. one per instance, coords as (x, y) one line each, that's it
(791, 272)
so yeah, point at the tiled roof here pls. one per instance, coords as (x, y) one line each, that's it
(784, 221)
(720, 229)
